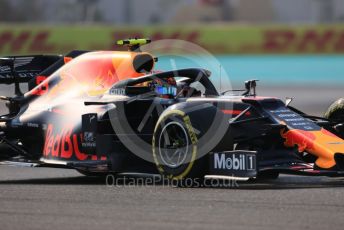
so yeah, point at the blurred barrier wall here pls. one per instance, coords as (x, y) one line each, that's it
(218, 39)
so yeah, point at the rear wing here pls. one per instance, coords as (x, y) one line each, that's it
(24, 68)
(32, 69)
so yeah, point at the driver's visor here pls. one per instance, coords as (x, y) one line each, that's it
(163, 90)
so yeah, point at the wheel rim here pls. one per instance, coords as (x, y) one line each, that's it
(173, 145)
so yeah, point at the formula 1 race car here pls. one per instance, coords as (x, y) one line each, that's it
(111, 112)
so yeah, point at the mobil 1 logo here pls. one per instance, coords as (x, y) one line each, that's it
(234, 163)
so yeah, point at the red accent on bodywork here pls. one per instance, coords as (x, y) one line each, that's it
(81, 156)
(302, 139)
(324, 131)
(67, 142)
(48, 140)
(235, 112)
(67, 59)
(42, 89)
(59, 111)
(256, 98)
(56, 146)
(62, 144)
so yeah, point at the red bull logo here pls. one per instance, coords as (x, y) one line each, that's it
(64, 144)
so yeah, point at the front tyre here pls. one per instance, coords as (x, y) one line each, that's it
(175, 147)
(335, 113)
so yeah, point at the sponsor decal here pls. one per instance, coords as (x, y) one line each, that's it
(293, 120)
(19, 61)
(33, 125)
(26, 75)
(117, 91)
(311, 40)
(63, 143)
(89, 124)
(258, 39)
(89, 140)
(26, 40)
(239, 163)
(335, 143)
(89, 137)
(234, 161)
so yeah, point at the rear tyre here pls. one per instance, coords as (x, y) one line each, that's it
(175, 148)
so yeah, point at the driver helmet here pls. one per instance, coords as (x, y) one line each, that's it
(165, 88)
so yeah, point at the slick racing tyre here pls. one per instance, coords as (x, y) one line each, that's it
(175, 147)
(336, 111)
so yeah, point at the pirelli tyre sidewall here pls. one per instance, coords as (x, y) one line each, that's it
(194, 127)
(169, 166)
